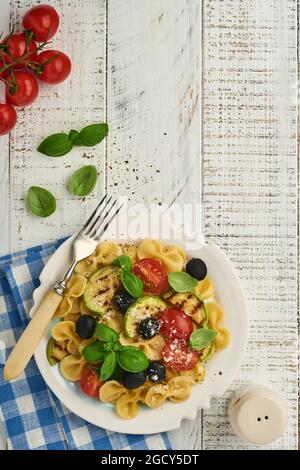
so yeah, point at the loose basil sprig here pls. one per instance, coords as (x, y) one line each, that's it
(83, 181)
(181, 281)
(61, 143)
(201, 338)
(132, 283)
(40, 201)
(108, 350)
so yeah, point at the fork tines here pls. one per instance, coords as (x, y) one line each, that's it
(101, 218)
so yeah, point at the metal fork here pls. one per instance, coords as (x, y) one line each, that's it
(83, 245)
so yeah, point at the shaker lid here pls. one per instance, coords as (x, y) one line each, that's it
(257, 415)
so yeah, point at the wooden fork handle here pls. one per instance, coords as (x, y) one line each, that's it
(28, 342)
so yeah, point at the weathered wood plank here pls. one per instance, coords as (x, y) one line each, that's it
(4, 153)
(249, 190)
(153, 99)
(77, 102)
(153, 108)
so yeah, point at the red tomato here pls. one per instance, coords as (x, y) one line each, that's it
(153, 275)
(89, 382)
(26, 89)
(179, 356)
(174, 323)
(56, 66)
(17, 47)
(8, 118)
(43, 21)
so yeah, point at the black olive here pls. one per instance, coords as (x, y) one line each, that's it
(132, 380)
(148, 328)
(85, 326)
(124, 300)
(196, 268)
(156, 371)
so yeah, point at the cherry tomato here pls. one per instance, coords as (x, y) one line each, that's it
(56, 66)
(23, 90)
(43, 21)
(8, 118)
(179, 356)
(153, 275)
(17, 47)
(174, 323)
(89, 382)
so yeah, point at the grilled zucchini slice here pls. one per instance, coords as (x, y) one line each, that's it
(191, 305)
(149, 306)
(55, 352)
(101, 288)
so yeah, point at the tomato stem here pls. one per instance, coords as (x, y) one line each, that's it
(24, 57)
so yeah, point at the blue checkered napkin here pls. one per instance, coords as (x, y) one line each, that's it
(33, 417)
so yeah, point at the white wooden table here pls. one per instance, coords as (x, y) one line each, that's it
(209, 86)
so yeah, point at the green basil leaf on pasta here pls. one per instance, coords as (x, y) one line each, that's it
(123, 262)
(132, 284)
(181, 281)
(93, 134)
(109, 365)
(40, 201)
(83, 181)
(94, 352)
(56, 145)
(132, 359)
(201, 338)
(105, 333)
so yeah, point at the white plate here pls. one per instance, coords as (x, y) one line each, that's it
(220, 373)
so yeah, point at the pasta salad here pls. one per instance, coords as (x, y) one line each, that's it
(137, 325)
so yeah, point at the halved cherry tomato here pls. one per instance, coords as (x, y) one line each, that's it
(153, 275)
(179, 356)
(8, 118)
(175, 324)
(23, 90)
(56, 66)
(89, 382)
(43, 21)
(17, 46)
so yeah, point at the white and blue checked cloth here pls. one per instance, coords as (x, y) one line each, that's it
(33, 417)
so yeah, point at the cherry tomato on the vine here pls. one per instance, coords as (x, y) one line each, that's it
(18, 46)
(22, 89)
(8, 118)
(43, 21)
(55, 66)
(89, 382)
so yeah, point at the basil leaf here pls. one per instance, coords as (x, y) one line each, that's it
(108, 366)
(124, 262)
(41, 202)
(106, 333)
(74, 136)
(94, 352)
(132, 359)
(83, 181)
(201, 338)
(93, 134)
(56, 145)
(182, 282)
(132, 284)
